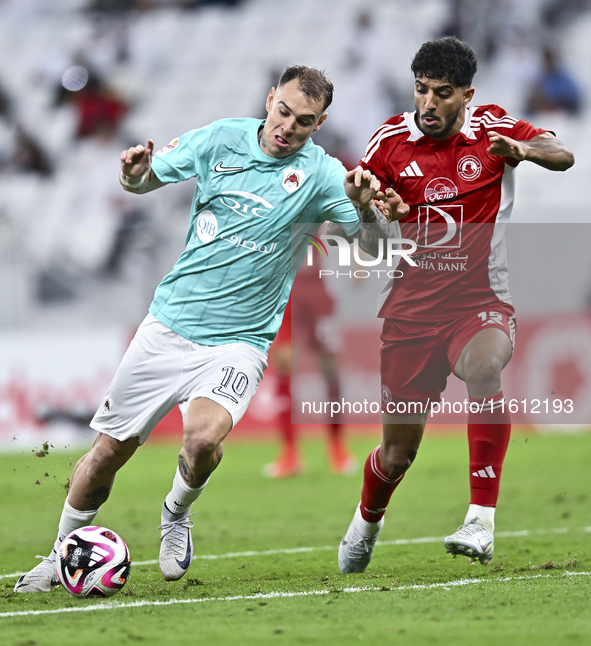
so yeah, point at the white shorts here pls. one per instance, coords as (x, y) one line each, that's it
(161, 369)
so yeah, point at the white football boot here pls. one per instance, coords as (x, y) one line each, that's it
(473, 539)
(356, 548)
(41, 578)
(176, 545)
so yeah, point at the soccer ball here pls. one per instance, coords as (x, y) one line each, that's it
(93, 562)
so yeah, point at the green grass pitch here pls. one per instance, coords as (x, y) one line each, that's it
(265, 570)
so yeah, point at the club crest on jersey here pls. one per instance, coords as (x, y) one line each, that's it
(386, 394)
(171, 146)
(292, 179)
(469, 168)
(440, 188)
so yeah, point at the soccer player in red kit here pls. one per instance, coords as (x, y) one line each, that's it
(313, 320)
(453, 165)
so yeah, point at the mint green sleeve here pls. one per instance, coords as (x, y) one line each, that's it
(181, 158)
(334, 204)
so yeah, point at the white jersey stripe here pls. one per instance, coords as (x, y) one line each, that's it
(487, 116)
(490, 126)
(489, 121)
(497, 259)
(490, 115)
(482, 119)
(369, 154)
(378, 133)
(416, 168)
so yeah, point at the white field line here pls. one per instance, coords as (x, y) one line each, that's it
(302, 550)
(280, 595)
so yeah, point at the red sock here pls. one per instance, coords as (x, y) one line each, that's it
(335, 430)
(377, 488)
(335, 433)
(334, 395)
(488, 438)
(286, 428)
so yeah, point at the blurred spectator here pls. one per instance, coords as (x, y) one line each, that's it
(121, 6)
(554, 90)
(336, 145)
(482, 24)
(109, 45)
(19, 151)
(96, 230)
(559, 12)
(314, 331)
(99, 109)
(364, 87)
(112, 6)
(28, 156)
(5, 104)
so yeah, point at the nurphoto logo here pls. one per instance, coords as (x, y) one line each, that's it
(392, 250)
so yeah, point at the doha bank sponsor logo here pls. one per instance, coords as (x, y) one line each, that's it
(390, 250)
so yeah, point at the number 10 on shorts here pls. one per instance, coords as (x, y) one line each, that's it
(233, 385)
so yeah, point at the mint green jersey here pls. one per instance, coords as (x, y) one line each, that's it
(231, 283)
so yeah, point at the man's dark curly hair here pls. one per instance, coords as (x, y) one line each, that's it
(446, 57)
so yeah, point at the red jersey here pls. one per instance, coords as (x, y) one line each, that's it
(311, 303)
(460, 199)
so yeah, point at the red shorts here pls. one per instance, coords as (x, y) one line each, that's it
(416, 358)
(309, 323)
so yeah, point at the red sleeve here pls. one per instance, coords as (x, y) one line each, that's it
(523, 131)
(520, 130)
(376, 166)
(376, 152)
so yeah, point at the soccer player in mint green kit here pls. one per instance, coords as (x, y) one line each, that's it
(204, 343)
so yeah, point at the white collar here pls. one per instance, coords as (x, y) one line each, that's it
(416, 133)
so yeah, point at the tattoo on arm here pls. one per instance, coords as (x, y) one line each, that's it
(186, 472)
(374, 225)
(98, 496)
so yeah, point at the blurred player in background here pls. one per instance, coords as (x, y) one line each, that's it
(314, 329)
(204, 343)
(453, 165)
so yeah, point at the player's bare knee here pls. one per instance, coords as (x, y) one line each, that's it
(396, 460)
(485, 371)
(200, 445)
(107, 456)
(99, 464)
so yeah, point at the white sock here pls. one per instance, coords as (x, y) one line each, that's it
(486, 514)
(369, 529)
(72, 519)
(181, 496)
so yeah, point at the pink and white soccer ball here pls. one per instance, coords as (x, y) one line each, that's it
(93, 562)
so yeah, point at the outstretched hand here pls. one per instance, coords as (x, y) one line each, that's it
(391, 205)
(137, 160)
(505, 146)
(361, 186)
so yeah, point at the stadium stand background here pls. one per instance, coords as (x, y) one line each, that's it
(79, 258)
